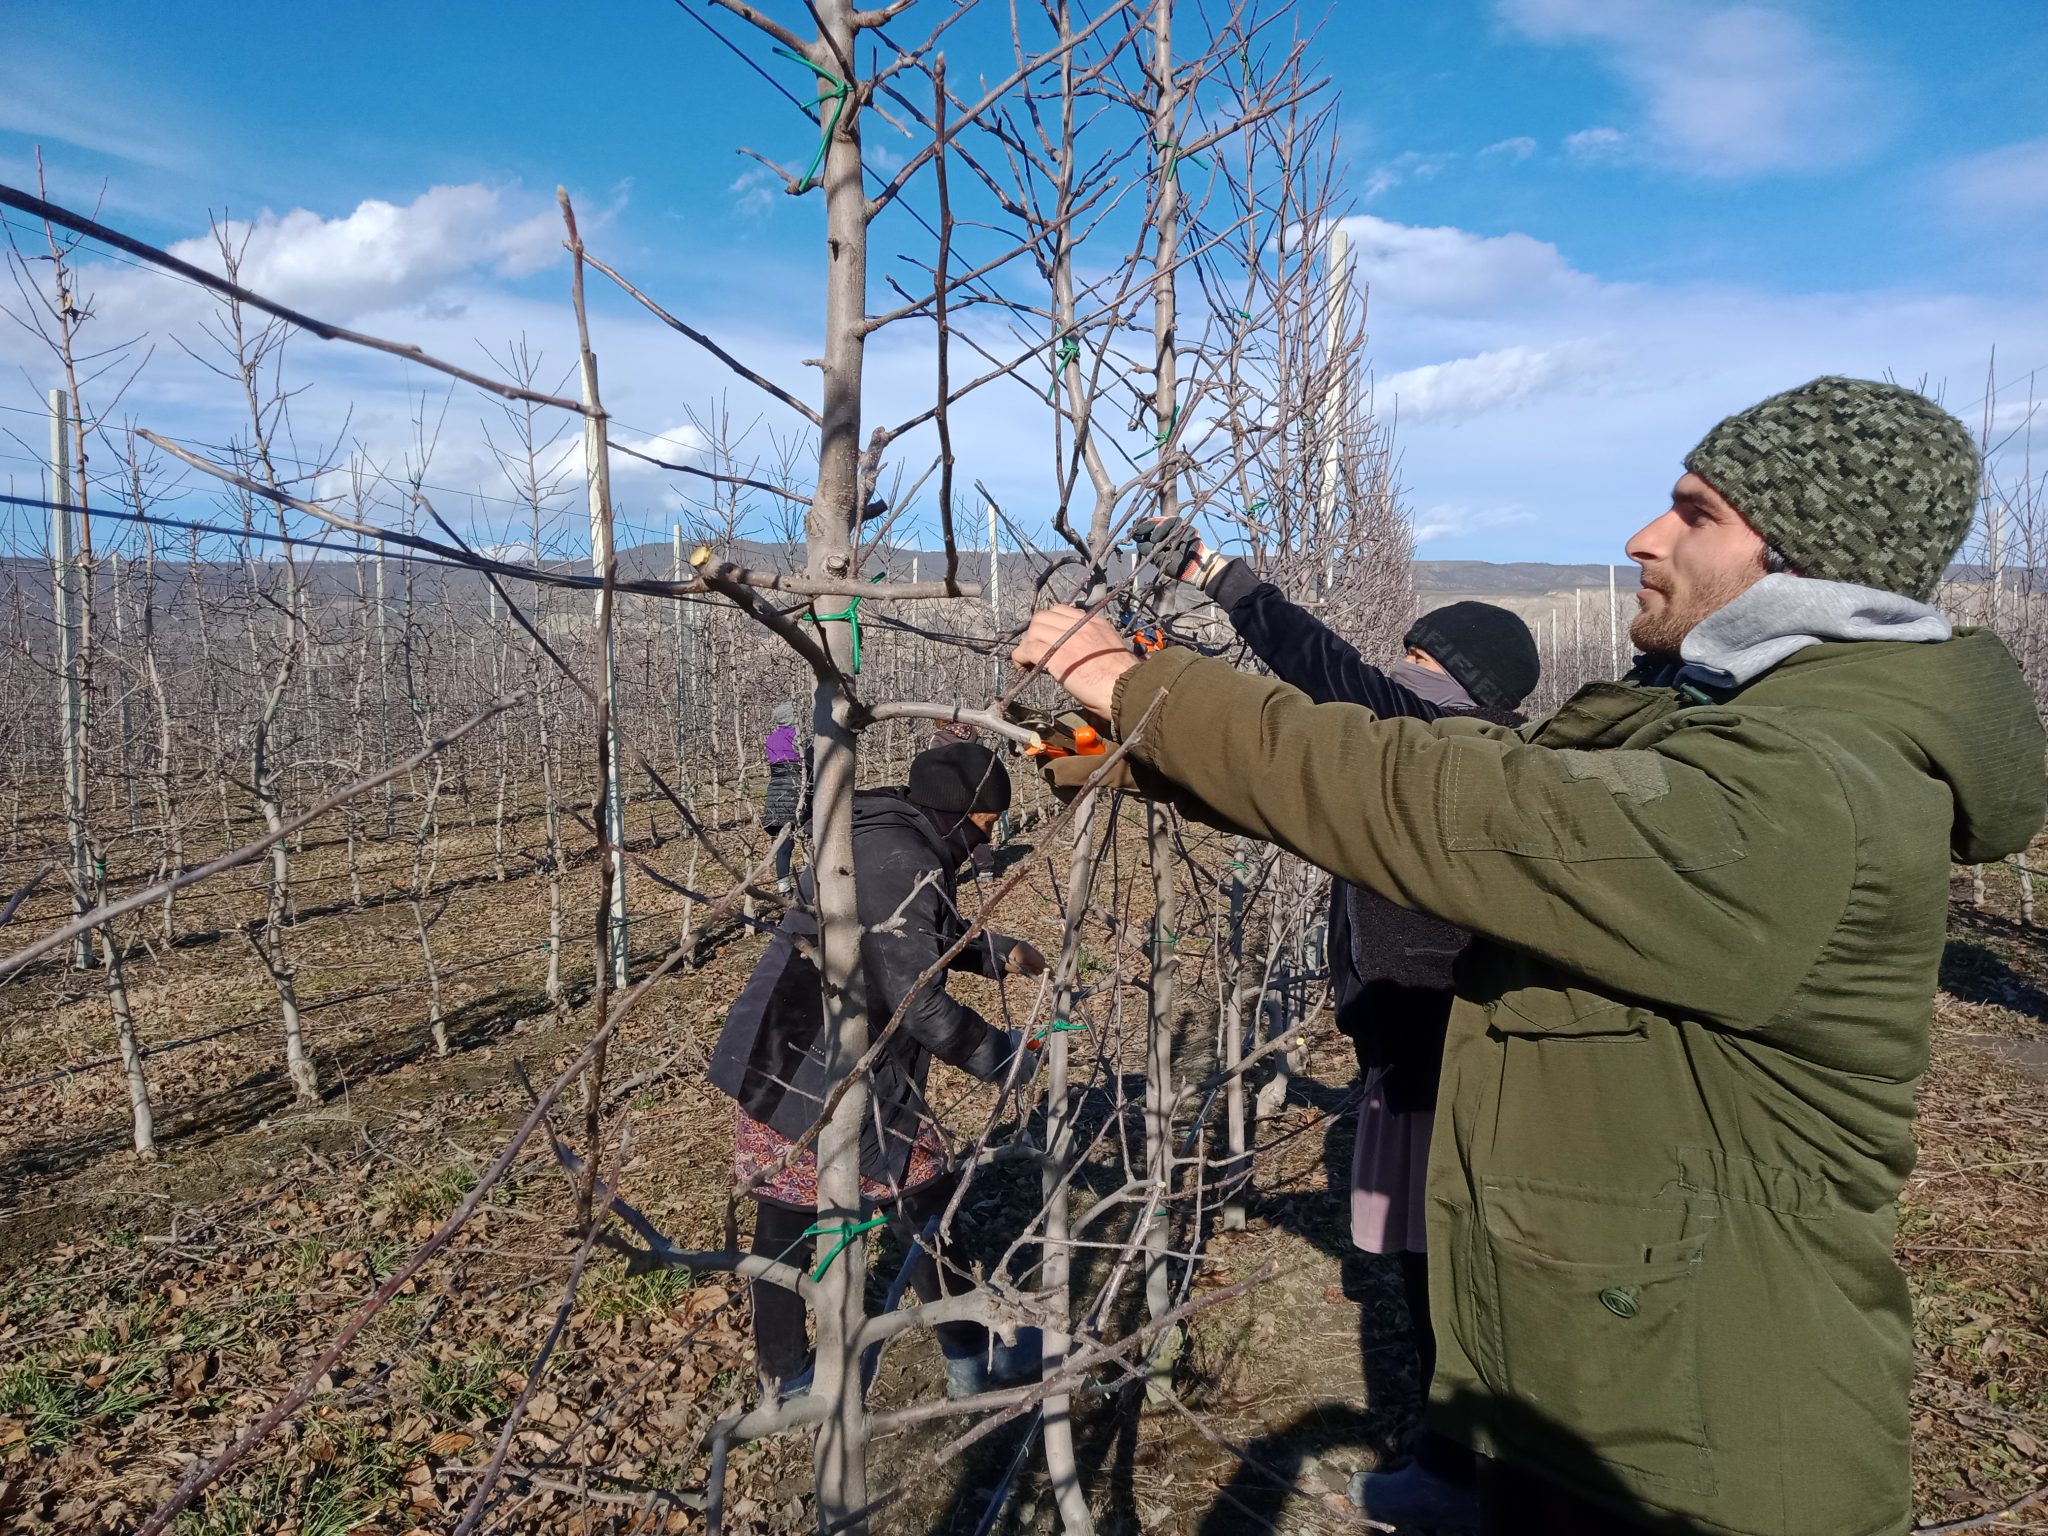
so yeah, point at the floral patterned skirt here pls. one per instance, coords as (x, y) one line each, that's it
(756, 1146)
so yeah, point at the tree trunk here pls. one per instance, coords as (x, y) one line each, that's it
(140, 1114)
(841, 1455)
(1160, 1018)
(1056, 1276)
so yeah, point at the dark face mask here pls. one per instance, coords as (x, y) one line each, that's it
(1427, 683)
(961, 837)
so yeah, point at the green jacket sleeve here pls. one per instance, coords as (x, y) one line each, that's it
(1700, 872)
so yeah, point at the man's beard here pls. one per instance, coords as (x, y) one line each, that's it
(1662, 630)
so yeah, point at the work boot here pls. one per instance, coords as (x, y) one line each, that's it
(1417, 1499)
(999, 1365)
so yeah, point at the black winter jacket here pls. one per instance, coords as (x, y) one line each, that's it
(1390, 968)
(768, 1057)
(789, 793)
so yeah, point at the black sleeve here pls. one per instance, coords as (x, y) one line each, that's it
(1306, 653)
(984, 956)
(938, 1021)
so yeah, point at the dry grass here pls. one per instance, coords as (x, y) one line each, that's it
(148, 1312)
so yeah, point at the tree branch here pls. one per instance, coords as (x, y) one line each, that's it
(11, 197)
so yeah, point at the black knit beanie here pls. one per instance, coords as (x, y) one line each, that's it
(1488, 651)
(1851, 480)
(959, 777)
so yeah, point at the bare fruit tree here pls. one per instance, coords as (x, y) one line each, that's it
(1127, 233)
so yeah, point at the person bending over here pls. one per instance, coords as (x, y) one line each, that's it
(908, 847)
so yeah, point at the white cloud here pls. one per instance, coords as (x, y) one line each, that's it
(755, 191)
(1454, 271)
(1447, 521)
(1467, 386)
(1412, 166)
(686, 444)
(1524, 382)
(1518, 148)
(2009, 182)
(884, 155)
(43, 98)
(1726, 89)
(1543, 409)
(382, 255)
(1597, 144)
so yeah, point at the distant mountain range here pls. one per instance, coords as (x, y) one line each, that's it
(1436, 581)
(1520, 578)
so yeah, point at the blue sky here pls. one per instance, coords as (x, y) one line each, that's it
(1590, 227)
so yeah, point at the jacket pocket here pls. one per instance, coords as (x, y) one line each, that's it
(1526, 996)
(1564, 1011)
(1594, 1334)
(1577, 806)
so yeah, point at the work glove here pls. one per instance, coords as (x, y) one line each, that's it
(1176, 549)
(1020, 1050)
(1066, 777)
(1023, 960)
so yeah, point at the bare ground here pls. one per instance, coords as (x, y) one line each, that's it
(148, 1312)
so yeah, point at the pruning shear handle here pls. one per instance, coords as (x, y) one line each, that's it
(1067, 735)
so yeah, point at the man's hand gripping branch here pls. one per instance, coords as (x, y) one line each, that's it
(1084, 653)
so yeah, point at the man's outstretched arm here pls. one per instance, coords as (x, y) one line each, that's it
(1648, 872)
(1306, 653)
(1301, 649)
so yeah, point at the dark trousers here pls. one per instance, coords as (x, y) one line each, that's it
(785, 852)
(1437, 1453)
(1513, 1502)
(782, 1345)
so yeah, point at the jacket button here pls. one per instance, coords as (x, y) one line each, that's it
(1621, 1303)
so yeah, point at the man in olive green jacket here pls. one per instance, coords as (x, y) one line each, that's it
(1677, 1098)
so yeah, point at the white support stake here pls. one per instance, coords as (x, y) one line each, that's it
(1336, 281)
(70, 607)
(1613, 628)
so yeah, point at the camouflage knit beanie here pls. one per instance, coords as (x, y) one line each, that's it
(1849, 480)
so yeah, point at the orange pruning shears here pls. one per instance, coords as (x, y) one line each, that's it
(1146, 641)
(1065, 735)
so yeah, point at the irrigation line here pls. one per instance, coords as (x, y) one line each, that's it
(1000, 1495)
(212, 531)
